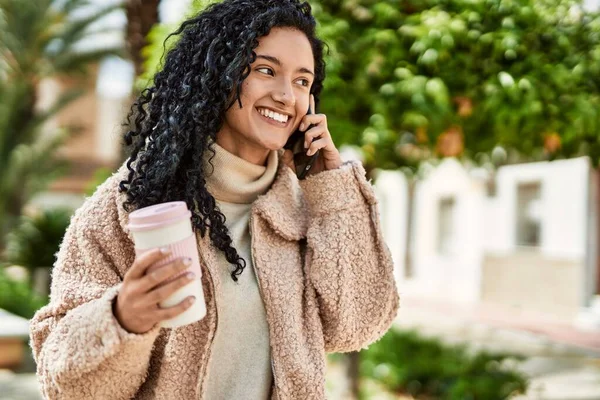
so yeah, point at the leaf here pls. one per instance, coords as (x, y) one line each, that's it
(79, 28)
(76, 62)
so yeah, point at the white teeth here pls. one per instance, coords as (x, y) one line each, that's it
(273, 115)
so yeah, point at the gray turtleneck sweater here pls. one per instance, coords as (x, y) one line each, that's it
(240, 360)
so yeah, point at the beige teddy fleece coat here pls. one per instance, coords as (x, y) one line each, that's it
(337, 295)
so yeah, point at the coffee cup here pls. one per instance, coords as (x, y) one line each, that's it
(169, 225)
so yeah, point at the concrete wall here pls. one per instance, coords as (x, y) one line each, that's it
(562, 208)
(554, 277)
(391, 190)
(526, 280)
(454, 274)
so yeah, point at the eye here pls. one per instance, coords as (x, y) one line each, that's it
(306, 82)
(269, 71)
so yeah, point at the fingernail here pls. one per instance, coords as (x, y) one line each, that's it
(306, 145)
(302, 126)
(191, 275)
(192, 300)
(187, 261)
(309, 152)
(165, 250)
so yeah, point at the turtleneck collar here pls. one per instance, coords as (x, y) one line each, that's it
(236, 180)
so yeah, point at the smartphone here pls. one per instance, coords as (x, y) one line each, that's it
(295, 143)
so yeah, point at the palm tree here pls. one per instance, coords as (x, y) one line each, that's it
(141, 16)
(38, 40)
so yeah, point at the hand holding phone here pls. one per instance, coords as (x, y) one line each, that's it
(295, 144)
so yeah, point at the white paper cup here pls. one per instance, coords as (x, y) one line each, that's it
(169, 225)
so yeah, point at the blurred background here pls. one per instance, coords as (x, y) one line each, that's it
(478, 122)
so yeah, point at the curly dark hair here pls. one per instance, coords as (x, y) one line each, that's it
(175, 120)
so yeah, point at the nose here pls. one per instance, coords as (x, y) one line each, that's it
(284, 95)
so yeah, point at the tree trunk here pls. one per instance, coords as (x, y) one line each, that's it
(596, 204)
(141, 16)
(354, 373)
(410, 195)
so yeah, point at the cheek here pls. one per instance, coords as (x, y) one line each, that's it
(240, 118)
(251, 90)
(235, 116)
(302, 107)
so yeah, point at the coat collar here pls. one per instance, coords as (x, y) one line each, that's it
(282, 206)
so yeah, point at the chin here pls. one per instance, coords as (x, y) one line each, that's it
(274, 145)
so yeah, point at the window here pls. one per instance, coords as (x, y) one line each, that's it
(446, 230)
(528, 214)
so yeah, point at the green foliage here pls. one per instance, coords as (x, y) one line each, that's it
(35, 241)
(100, 175)
(154, 52)
(405, 362)
(38, 40)
(18, 298)
(528, 68)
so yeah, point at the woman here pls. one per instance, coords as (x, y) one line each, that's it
(292, 269)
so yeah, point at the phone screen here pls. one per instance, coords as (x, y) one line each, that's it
(295, 143)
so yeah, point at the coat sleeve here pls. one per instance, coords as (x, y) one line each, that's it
(350, 266)
(80, 349)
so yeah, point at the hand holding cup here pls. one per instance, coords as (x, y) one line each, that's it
(137, 307)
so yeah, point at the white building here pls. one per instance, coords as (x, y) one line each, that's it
(525, 240)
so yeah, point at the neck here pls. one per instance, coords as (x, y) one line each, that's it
(244, 150)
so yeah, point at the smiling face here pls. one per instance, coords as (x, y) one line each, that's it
(274, 97)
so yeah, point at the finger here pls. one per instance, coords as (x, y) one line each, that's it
(163, 292)
(312, 134)
(312, 103)
(171, 312)
(159, 275)
(312, 119)
(141, 263)
(317, 145)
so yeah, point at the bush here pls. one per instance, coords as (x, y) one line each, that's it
(35, 241)
(18, 298)
(404, 362)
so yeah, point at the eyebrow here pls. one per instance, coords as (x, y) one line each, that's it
(276, 61)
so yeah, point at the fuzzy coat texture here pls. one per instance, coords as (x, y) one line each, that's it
(324, 270)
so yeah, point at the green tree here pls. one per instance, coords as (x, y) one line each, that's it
(38, 40)
(406, 77)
